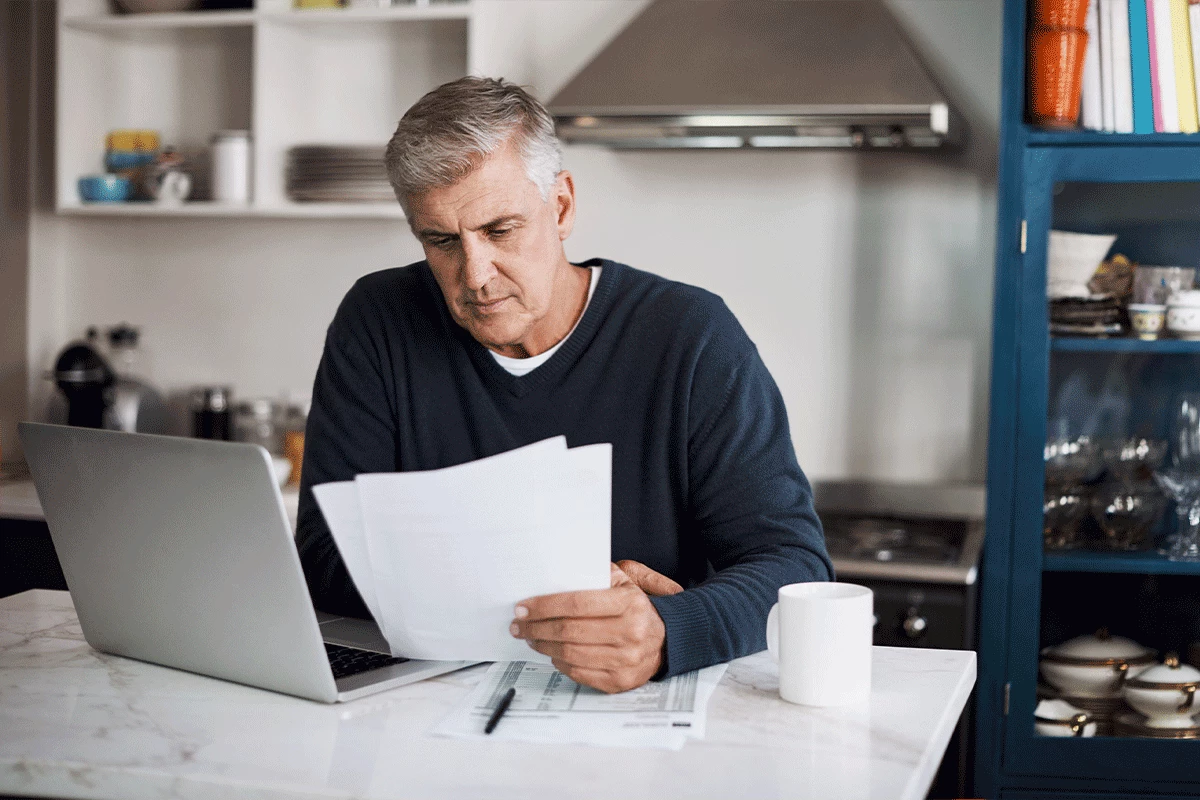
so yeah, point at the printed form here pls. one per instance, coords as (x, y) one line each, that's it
(551, 708)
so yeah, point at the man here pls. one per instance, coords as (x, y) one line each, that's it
(496, 341)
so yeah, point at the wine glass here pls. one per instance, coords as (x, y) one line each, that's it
(1181, 479)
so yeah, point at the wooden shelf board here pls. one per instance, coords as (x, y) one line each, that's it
(208, 209)
(1141, 563)
(182, 19)
(1082, 138)
(1122, 345)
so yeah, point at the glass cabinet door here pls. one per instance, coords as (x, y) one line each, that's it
(1100, 418)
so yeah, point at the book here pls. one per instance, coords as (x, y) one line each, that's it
(1108, 98)
(1194, 23)
(1139, 58)
(1091, 113)
(1155, 85)
(1165, 59)
(1185, 79)
(1122, 71)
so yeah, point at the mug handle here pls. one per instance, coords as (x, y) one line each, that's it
(773, 633)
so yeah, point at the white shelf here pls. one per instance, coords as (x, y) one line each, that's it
(185, 19)
(289, 76)
(456, 10)
(307, 16)
(209, 209)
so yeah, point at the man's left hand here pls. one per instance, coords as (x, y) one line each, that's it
(609, 639)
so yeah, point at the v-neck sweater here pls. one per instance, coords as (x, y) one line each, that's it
(705, 484)
(524, 366)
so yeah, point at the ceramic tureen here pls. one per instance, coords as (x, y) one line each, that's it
(1165, 694)
(1094, 666)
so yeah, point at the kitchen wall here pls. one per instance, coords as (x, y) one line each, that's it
(15, 58)
(865, 279)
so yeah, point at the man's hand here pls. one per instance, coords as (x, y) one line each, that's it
(609, 639)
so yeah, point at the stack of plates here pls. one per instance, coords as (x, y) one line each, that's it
(1099, 315)
(1131, 723)
(327, 174)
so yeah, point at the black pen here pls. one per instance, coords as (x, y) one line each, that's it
(505, 702)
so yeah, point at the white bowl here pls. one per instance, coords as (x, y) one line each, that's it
(1071, 261)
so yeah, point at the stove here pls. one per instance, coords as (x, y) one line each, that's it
(917, 547)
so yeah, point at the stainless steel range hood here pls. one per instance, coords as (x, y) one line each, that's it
(757, 73)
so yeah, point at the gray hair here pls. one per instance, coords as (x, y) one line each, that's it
(449, 131)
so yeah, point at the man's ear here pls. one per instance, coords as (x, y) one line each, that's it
(564, 204)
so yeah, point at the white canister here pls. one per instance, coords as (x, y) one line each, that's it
(1183, 314)
(820, 633)
(231, 167)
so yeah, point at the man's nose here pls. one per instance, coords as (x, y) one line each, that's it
(477, 265)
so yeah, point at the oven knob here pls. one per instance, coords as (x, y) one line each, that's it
(915, 624)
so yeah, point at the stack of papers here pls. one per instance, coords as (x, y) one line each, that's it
(550, 708)
(442, 557)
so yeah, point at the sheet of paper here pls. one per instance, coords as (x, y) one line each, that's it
(339, 505)
(551, 708)
(452, 551)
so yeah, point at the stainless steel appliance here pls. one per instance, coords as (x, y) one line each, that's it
(758, 74)
(104, 390)
(917, 546)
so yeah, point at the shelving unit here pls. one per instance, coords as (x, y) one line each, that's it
(1146, 189)
(289, 76)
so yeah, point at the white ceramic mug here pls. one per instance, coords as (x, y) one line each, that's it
(820, 633)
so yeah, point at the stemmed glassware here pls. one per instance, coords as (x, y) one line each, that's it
(1181, 479)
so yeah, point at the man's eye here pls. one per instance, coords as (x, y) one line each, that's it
(499, 233)
(442, 244)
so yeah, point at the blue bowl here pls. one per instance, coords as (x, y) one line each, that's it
(104, 189)
(127, 159)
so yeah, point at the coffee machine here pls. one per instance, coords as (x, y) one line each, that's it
(104, 391)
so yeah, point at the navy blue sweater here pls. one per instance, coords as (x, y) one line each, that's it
(705, 484)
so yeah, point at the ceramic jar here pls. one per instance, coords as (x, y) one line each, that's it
(1183, 314)
(1094, 666)
(1165, 694)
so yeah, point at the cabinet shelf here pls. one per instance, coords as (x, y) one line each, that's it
(1140, 563)
(1122, 345)
(1082, 138)
(181, 19)
(214, 19)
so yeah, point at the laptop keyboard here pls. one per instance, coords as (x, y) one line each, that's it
(347, 661)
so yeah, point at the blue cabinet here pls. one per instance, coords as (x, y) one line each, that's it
(1147, 190)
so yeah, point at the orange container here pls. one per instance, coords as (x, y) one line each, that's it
(1059, 13)
(1056, 75)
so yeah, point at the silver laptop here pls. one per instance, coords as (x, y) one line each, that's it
(179, 552)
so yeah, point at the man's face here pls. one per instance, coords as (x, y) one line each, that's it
(495, 248)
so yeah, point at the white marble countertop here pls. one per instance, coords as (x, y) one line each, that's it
(75, 722)
(19, 500)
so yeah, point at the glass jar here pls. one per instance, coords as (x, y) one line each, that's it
(258, 422)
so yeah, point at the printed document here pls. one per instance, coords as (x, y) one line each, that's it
(441, 557)
(551, 708)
